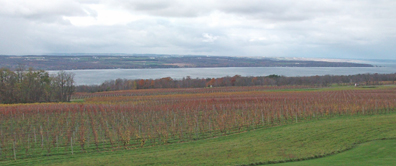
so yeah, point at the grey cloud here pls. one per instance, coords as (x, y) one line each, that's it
(286, 10)
(163, 8)
(15, 39)
(44, 11)
(149, 5)
(144, 36)
(271, 10)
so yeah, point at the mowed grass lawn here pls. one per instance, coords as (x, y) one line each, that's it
(294, 141)
(380, 152)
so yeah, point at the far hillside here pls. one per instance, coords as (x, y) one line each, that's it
(70, 62)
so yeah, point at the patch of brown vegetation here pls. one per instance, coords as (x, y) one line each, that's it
(181, 64)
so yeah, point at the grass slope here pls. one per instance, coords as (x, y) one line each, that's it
(295, 141)
(380, 152)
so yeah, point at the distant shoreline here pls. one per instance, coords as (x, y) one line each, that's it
(209, 68)
(97, 76)
(83, 62)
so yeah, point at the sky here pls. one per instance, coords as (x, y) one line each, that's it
(354, 29)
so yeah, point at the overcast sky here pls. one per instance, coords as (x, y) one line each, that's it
(277, 28)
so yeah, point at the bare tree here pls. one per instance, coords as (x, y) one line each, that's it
(7, 86)
(19, 71)
(63, 82)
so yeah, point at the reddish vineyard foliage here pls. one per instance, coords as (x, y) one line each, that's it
(145, 92)
(149, 119)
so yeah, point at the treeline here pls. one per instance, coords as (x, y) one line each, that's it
(29, 86)
(237, 80)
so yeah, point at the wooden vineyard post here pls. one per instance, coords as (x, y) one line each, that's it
(28, 145)
(88, 140)
(57, 144)
(1, 134)
(13, 148)
(42, 137)
(71, 144)
(35, 139)
(363, 110)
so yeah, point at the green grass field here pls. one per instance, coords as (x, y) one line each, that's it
(346, 140)
(380, 152)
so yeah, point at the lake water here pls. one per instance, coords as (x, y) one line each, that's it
(90, 77)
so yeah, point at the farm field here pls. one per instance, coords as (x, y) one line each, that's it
(302, 140)
(226, 126)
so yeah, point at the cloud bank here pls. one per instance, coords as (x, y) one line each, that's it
(286, 28)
